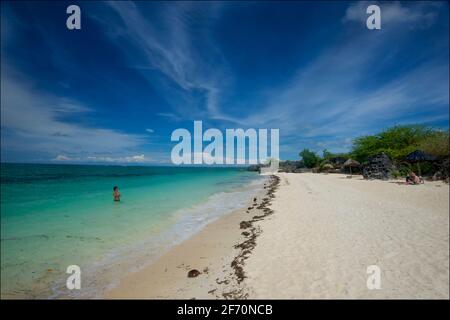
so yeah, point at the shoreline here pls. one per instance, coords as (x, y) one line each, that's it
(120, 255)
(311, 236)
(216, 206)
(217, 251)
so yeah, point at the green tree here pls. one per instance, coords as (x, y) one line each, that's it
(396, 142)
(436, 144)
(310, 159)
(327, 155)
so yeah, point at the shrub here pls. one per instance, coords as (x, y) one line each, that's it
(436, 144)
(396, 142)
(310, 159)
(396, 174)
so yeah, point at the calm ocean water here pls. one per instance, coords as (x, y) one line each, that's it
(53, 216)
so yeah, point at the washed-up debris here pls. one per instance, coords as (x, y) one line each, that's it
(245, 224)
(193, 273)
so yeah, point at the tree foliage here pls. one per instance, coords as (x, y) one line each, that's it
(327, 155)
(396, 142)
(310, 159)
(436, 144)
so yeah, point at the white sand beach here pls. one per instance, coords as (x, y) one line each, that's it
(323, 233)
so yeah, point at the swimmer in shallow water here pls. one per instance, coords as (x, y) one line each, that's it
(116, 194)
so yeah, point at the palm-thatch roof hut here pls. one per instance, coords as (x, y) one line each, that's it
(338, 162)
(418, 156)
(351, 163)
(327, 167)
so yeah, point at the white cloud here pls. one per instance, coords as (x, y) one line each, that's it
(32, 123)
(150, 130)
(169, 115)
(129, 159)
(335, 96)
(62, 157)
(138, 158)
(168, 48)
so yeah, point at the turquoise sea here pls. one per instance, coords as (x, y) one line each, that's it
(53, 216)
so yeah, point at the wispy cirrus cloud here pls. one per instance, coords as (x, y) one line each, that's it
(161, 65)
(336, 96)
(194, 76)
(333, 97)
(33, 121)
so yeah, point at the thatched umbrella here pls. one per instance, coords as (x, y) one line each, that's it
(417, 156)
(351, 163)
(327, 167)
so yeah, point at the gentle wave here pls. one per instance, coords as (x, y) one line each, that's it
(107, 272)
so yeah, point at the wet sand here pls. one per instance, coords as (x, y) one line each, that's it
(312, 236)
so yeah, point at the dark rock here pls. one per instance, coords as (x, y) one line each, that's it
(245, 224)
(256, 167)
(193, 273)
(378, 167)
(291, 166)
(444, 167)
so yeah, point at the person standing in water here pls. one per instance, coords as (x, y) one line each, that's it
(116, 194)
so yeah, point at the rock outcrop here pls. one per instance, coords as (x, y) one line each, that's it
(378, 167)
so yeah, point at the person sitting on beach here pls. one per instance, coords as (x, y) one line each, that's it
(412, 178)
(116, 194)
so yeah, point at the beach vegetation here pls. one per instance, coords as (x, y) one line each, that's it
(436, 144)
(396, 142)
(327, 155)
(310, 158)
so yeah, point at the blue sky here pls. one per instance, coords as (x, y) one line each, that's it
(114, 91)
